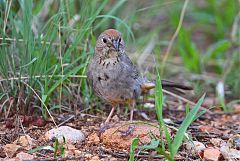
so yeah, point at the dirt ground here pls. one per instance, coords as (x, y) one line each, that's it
(211, 129)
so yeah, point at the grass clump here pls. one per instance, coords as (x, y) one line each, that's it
(170, 143)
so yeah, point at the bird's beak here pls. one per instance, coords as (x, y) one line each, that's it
(116, 44)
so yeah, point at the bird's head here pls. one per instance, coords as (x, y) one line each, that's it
(110, 41)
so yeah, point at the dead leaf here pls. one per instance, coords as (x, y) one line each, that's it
(211, 154)
(209, 129)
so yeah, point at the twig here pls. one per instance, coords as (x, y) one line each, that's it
(186, 100)
(40, 101)
(65, 121)
(61, 63)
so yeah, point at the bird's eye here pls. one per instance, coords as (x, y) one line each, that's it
(104, 40)
(120, 40)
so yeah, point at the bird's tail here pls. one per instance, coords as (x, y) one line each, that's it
(169, 85)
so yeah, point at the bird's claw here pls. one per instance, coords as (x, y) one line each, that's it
(103, 128)
(128, 131)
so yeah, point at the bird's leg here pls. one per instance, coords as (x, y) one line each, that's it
(110, 115)
(105, 125)
(131, 126)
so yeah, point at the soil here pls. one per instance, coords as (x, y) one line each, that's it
(217, 125)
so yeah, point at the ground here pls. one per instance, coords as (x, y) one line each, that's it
(211, 129)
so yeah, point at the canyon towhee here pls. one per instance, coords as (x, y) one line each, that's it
(114, 78)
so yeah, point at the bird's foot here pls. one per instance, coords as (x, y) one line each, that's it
(104, 127)
(129, 131)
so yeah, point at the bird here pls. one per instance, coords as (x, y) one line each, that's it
(114, 78)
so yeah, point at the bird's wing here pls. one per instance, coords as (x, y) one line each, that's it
(130, 67)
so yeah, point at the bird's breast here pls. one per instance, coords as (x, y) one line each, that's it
(106, 63)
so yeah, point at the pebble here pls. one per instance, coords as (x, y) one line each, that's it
(195, 147)
(71, 135)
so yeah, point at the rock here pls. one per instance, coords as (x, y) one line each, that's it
(11, 149)
(216, 141)
(71, 135)
(112, 137)
(115, 118)
(77, 152)
(211, 154)
(195, 147)
(25, 141)
(234, 141)
(229, 153)
(24, 156)
(149, 105)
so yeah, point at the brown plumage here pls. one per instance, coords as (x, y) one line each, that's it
(112, 75)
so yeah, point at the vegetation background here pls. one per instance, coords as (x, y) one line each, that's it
(46, 45)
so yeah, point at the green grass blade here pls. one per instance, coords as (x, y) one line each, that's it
(177, 141)
(159, 108)
(134, 145)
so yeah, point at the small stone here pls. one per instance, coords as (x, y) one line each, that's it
(11, 149)
(216, 141)
(77, 153)
(24, 156)
(71, 135)
(95, 158)
(115, 118)
(168, 121)
(195, 147)
(149, 105)
(229, 153)
(88, 156)
(25, 141)
(211, 154)
(234, 141)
